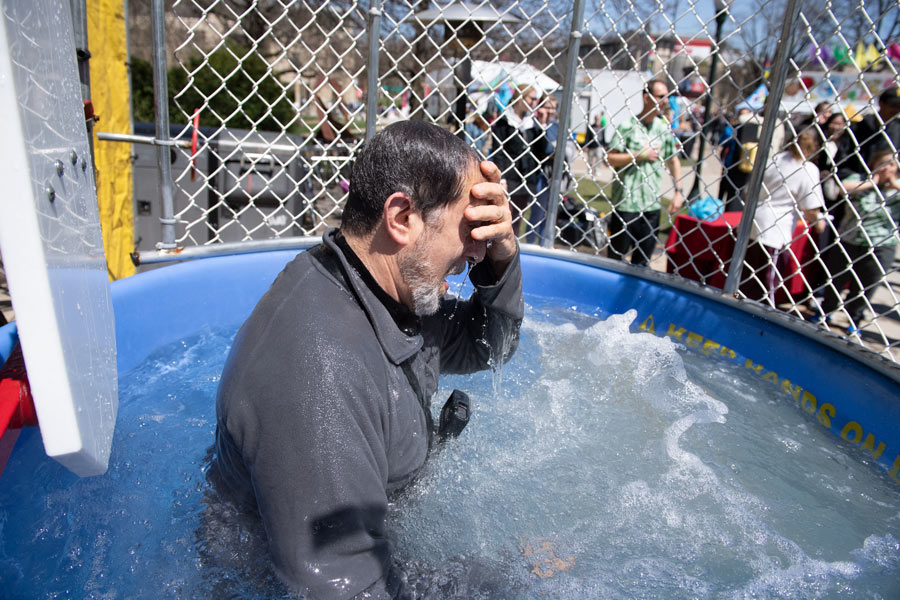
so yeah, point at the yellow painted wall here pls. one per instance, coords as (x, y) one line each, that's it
(110, 94)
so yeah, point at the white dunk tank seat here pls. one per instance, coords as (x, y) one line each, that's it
(50, 237)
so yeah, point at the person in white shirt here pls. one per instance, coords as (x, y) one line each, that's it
(790, 191)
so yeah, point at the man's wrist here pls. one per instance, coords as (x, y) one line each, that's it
(501, 260)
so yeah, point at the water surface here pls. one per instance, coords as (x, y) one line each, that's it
(603, 464)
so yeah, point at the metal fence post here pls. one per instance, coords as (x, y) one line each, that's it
(161, 109)
(722, 7)
(565, 111)
(374, 27)
(770, 118)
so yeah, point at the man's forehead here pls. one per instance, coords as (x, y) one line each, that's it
(473, 177)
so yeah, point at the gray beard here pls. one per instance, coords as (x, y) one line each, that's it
(426, 299)
(426, 294)
(419, 274)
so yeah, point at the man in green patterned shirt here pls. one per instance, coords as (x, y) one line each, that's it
(638, 150)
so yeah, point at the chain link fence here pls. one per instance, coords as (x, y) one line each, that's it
(750, 146)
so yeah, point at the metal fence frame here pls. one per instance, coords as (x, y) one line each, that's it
(387, 28)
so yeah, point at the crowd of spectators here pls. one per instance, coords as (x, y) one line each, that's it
(836, 176)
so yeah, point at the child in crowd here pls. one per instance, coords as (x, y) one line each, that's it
(868, 236)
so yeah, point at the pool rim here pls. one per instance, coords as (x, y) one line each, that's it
(864, 356)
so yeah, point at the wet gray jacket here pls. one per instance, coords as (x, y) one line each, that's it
(319, 419)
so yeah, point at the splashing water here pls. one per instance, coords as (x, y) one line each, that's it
(461, 287)
(618, 465)
(611, 464)
(458, 285)
(497, 357)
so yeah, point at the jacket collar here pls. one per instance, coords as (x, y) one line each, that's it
(517, 122)
(398, 347)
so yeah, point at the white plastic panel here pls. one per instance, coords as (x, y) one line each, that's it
(50, 236)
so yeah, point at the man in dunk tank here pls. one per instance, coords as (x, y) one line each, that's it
(323, 410)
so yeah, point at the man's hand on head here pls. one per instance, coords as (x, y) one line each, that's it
(493, 218)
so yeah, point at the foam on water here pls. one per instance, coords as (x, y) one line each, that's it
(628, 472)
(608, 464)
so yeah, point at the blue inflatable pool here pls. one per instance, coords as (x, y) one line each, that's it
(848, 391)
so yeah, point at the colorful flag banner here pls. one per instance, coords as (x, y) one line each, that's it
(893, 51)
(860, 56)
(757, 99)
(873, 56)
(841, 54)
(821, 53)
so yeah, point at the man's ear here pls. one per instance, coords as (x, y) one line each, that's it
(401, 221)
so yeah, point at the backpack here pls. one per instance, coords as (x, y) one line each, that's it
(748, 156)
(748, 137)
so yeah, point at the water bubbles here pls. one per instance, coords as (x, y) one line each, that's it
(639, 451)
(883, 551)
(789, 444)
(625, 465)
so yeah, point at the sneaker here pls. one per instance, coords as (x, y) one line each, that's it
(819, 319)
(815, 306)
(855, 323)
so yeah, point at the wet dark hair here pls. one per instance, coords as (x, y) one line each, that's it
(425, 162)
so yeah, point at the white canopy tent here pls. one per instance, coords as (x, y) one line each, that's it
(489, 79)
(492, 75)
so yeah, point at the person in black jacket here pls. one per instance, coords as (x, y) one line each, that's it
(518, 148)
(873, 132)
(323, 410)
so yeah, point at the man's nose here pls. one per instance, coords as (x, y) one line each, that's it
(475, 251)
